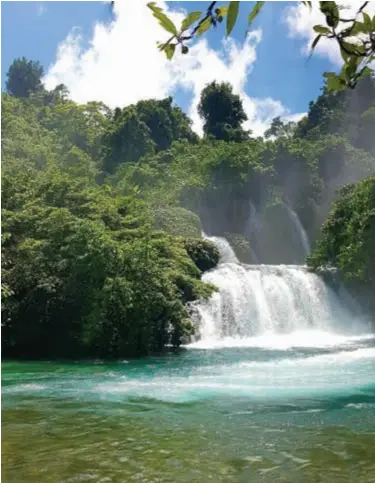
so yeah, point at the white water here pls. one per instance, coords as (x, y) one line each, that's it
(273, 306)
(252, 228)
(227, 254)
(300, 230)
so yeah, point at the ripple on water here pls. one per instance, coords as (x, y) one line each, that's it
(222, 415)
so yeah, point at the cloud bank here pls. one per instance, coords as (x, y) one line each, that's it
(121, 65)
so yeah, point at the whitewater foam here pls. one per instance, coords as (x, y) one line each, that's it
(259, 304)
(227, 254)
(308, 339)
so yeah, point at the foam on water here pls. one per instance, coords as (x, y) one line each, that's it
(272, 306)
(272, 379)
(270, 340)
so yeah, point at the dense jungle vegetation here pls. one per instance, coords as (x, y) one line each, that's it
(103, 210)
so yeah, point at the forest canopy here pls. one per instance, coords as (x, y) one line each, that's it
(103, 209)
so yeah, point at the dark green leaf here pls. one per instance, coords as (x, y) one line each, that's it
(169, 50)
(367, 22)
(334, 82)
(164, 20)
(204, 26)
(320, 29)
(167, 24)
(252, 15)
(152, 6)
(328, 75)
(353, 49)
(315, 42)
(331, 12)
(190, 19)
(232, 16)
(345, 56)
(357, 28)
(349, 69)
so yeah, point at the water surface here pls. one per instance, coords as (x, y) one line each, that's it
(268, 409)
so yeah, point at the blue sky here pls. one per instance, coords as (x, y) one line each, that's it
(101, 63)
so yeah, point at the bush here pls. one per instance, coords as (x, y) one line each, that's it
(177, 221)
(241, 247)
(204, 253)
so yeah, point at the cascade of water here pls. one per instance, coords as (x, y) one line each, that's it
(300, 230)
(255, 300)
(227, 254)
(252, 228)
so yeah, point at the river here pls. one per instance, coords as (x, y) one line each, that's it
(280, 386)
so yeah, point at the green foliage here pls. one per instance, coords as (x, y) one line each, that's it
(280, 128)
(253, 14)
(84, 273)
(348, 236)
(126, 140)
(164, 20)
(345, 113)
(24, 77)
(166, 122)
(241, 247)
(189, 20)
(177, 221)
(143, 129)
(204, 253)
(102, 212)
(88, 276)
(232, 16)
(222, 112)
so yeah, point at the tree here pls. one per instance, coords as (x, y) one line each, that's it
(348, 235)
(166, 122)
(355, 36)
(280, 128)
(127, 139)
(347, 113)
(222, 112)
(24, 77)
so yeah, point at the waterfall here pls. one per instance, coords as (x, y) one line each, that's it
(269, 300)
(227, 254)
(252, 227)
(300, 230)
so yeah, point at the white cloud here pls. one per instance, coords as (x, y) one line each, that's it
(294, 117)
(122, 65)
(300, 21)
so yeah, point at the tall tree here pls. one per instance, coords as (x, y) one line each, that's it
(222, 112)
(24, 77)
(347, 113)
(127, 139)
(280, 128)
